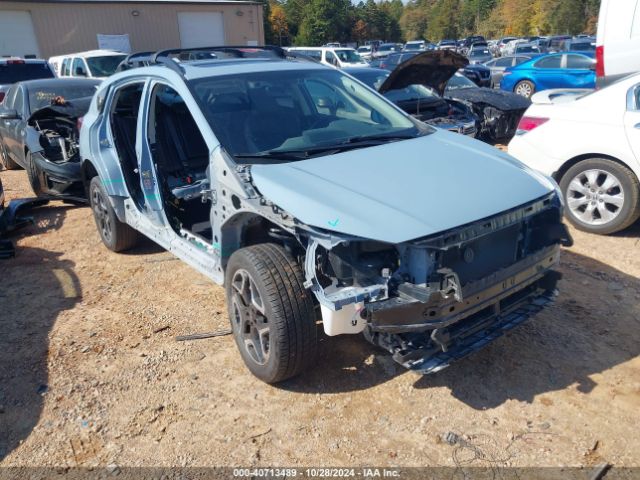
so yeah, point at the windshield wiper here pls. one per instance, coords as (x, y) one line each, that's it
(348, 144)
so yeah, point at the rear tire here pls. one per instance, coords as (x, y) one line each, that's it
(7, 163)
(271, 313)
(525, 88)
(116, 236)
(601, 196)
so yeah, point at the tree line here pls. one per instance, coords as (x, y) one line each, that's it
(316, 22)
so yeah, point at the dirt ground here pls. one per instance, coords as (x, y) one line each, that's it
(91, 373)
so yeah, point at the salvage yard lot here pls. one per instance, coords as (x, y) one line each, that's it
(92, 374)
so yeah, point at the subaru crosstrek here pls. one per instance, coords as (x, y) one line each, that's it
(296, 186)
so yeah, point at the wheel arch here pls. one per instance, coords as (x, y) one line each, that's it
(245, 229)
(557, 176)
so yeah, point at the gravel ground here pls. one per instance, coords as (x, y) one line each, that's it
(91, 373)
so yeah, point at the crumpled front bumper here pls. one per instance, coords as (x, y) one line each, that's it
(60, 179)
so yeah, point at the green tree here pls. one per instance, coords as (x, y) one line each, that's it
(324, 21)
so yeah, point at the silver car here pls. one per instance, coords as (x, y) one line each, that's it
(296, 186)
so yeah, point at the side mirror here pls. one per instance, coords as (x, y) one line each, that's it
(79, 72)
(328, 103)
(9, 114)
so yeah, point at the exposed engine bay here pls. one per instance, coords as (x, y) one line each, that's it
(434, 300)
(446, 114)
(59, 138)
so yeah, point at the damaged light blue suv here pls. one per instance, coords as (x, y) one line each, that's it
(296, 186)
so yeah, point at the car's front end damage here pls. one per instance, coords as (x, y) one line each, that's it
(499, 112)
(53, 141)
(436, 299)
(428, 277)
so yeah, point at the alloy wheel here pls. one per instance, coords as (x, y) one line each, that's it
(249, 319)
(102, 214)
(595, 197)
(524, 90)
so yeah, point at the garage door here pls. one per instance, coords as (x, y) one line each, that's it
(201, 29)
(17, 36)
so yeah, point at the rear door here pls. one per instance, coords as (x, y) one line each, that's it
(548, 73)
(580, 71)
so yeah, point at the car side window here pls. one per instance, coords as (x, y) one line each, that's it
(549, 62)
(18, 102)
(8, 101)
(503, 62)
(331, 58)
(78, 69)
(520, 60)
(327, 100)
(65, 69)
(579, 62)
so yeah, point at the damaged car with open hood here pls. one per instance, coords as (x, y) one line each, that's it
(39, 132)
(498, 112)
(310, 197)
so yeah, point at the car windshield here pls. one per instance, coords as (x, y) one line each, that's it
(42, 97)
(526, 49)
(104, 66)
(412, 93)
(294, 115)
(387, 48)
(348, 56)
(479, 52)
(458, 82)
(414, 46)
(20, 72)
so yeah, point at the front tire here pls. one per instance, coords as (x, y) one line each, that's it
(272, 314)
(115, 235)
(525, 89)
(601, 196)
(32, 175)
(7, 163)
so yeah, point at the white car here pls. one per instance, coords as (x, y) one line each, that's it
(98, 64)
(589, 141)
(335, 57)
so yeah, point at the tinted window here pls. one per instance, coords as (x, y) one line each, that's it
(520, 60)
(549, 62)
(19, 72)
(504, 62)
(107, 65)
(579, 62)
(294, 110)
(78, 69)
(65, 70)
(18, 102)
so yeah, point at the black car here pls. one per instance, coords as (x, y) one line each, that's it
(39, 132)
(499, 112)
(419, 101)
(478, 74)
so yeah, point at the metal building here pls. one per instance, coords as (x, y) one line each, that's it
(56, 27)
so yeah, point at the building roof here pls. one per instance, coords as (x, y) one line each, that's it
(205, 2)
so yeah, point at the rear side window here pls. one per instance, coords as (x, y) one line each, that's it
(520, 60)
(66, 67)
(579, 62)
(19, 72)
(503, 62)
(549, 62)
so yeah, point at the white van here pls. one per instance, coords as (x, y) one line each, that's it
(98, 64)
(618, 42)
(336, 57)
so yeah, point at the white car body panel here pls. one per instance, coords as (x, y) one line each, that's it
(595, 125)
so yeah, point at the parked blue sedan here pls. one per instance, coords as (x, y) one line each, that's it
(557, 70)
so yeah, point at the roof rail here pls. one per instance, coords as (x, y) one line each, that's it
(171, 57)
